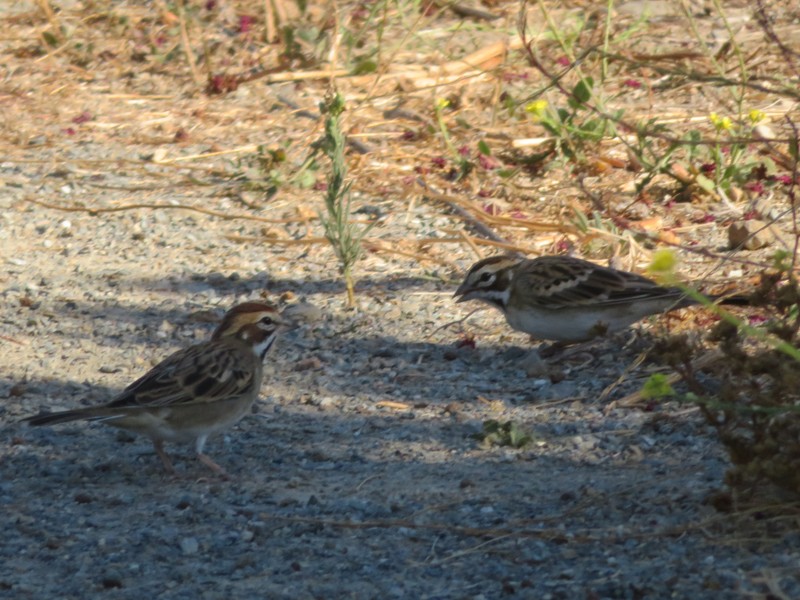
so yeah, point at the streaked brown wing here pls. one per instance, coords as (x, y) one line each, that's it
(199, 374)
(558, 282)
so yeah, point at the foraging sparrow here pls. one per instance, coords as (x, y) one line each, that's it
(196, 391)
(568, 299)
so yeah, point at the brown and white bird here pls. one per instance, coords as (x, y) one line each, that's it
(567, 299)
(196, 391)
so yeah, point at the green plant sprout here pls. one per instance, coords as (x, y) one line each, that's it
(344, 236)
(464, 165)
(575, 127)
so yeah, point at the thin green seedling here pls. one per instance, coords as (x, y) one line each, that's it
(344, 236)
(464, 165)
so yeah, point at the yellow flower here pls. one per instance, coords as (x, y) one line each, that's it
(537, 107)
(720, 123)
(756, 116)
(442, 103)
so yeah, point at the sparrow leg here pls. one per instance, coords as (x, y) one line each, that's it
(206, 460)
(159, 446)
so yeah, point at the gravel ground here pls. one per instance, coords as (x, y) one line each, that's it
(359, 474)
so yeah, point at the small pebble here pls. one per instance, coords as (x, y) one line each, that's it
(189, 545)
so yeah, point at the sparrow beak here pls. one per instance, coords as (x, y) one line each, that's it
(461, 292)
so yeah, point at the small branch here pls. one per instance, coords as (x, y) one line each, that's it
(213, 213)
(480, 227)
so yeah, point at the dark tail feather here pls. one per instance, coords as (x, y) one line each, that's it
(731, 300)
(58, 417)
(735, 300)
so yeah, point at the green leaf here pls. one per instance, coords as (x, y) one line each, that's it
(517, 435)
(484, 149)
(780, 260)
(582, 91)
(657, 386)
(306, 179)
(365, 67)
(705, 183)
(50, 39)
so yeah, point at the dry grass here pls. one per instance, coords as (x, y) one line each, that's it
(199, 85)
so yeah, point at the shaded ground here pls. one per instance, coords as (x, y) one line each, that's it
(359, 475)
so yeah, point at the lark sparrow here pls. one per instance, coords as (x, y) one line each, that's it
(566, 299)
(196, 391)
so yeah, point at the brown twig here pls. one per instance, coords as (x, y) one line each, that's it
(455, 206)
(152, 206)
(12, 340)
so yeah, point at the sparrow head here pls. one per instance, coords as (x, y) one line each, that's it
(489, 280)
(255, 323)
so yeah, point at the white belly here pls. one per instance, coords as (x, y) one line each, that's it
(569, 325)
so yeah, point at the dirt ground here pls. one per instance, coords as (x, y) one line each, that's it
(134, 211)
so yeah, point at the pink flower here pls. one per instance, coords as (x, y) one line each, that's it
(488, 162)
(82, 118)
(246, 23)
(563, 61)
(491, 209)
(439, 161)
(784, 179)
(755, 186)
(464, 151)
(632, 83)
(563, 245)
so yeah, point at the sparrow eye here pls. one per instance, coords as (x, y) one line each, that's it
(486, 278)
(266, 321)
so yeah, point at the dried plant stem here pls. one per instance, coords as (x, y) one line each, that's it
(213, 213)
(270, 27)
(44, 6)
(187, 47)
